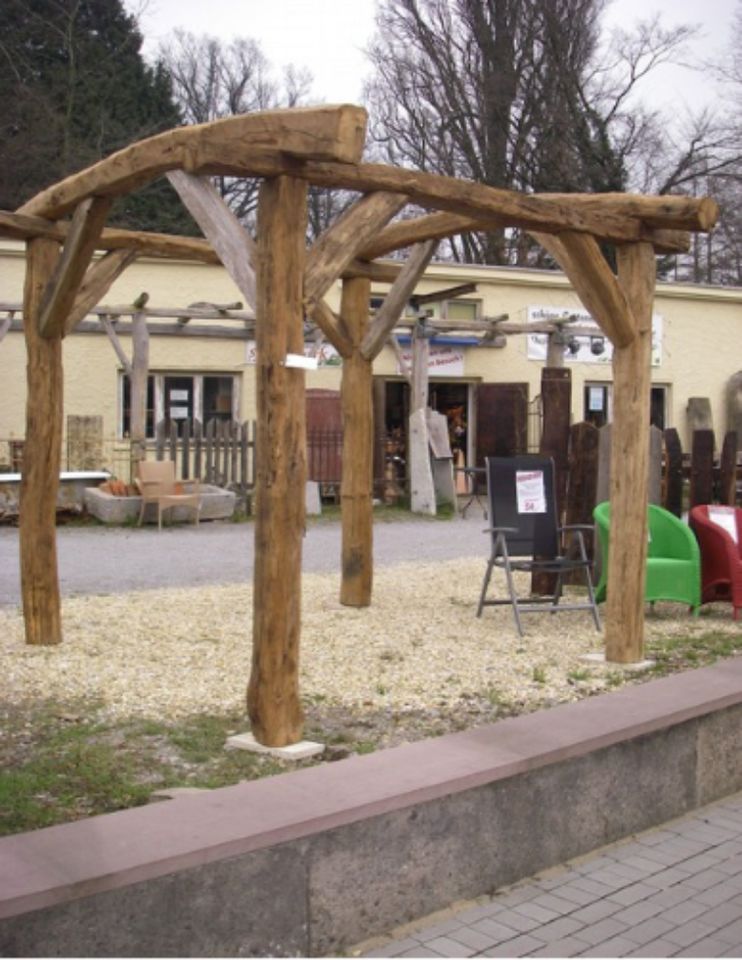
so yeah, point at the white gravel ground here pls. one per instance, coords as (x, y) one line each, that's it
(169, 653)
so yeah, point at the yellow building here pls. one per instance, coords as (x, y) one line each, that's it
(204, 369)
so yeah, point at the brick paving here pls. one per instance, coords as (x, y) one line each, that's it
(675, 891)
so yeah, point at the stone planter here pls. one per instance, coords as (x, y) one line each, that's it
(216, 504)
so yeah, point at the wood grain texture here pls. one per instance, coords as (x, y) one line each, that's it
(273, 703)
(597, 287)
(328, 132)
(337, 247)
(629, 484)
(79, 246)
(394, 303)
(228, 237)
(356, 491)
(98, 280)
(41, 457)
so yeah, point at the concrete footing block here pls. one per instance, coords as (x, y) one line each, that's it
(294, 751)
(599, 658)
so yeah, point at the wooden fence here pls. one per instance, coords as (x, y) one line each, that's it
(325, 457)
(221, 453)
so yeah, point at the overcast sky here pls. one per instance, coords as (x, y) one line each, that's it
(328, 36)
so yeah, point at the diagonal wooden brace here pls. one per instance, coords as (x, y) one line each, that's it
(61, 290)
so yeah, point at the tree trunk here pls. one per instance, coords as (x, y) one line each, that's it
(358, 441)
(273, 692)
(41, 457)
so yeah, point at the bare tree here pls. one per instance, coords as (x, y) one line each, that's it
(514, 94)
(212, 80)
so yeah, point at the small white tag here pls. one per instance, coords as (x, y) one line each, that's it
(300, 361)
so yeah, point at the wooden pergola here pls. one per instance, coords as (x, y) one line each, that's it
(284, 282)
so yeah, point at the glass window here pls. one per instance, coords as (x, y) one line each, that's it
(217, 398)
(462, 309)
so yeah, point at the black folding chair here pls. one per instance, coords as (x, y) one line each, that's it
(526, 535)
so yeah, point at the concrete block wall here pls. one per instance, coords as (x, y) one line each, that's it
(310, 862)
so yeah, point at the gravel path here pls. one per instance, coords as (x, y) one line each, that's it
(95, 560)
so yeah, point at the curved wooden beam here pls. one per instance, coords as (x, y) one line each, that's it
(334, 133)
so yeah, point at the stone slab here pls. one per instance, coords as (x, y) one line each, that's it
(294, 751)
(216, 504)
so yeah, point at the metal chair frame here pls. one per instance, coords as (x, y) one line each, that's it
(535, 544)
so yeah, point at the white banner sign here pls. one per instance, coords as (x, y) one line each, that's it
(443, 361)
(538, 342)
(324, 354)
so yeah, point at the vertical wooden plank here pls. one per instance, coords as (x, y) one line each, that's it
(160, 440)
(556, 399)
(41, 456)
(379, 404)
(702, 467)
(210, 473)
(583, 480)
(244, 436)
(356, 491)
(185, 468)
(138, 386)
(728, 470)
(672, 486)
(234, 440)
(197, 449)
(273, 703)
(173, 442)
(624, 619)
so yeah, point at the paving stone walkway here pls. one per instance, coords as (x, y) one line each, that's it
(675, 891)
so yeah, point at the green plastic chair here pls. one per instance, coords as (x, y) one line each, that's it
(673, 558)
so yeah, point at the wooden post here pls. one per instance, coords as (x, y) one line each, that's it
(624, 620)
(138, 388)
(41, 456)
(728, 470)
(273, 693)
(702, 468)
(356, 491)
(672, 499)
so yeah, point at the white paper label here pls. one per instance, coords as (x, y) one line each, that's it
(178, 413)
(529, 487)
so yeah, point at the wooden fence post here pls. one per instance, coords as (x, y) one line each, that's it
(41, 456)
(583, 479)
(356, 492)
(556, 397)
(728, 470)
(672, 498)
(273, 693)
(702, 468)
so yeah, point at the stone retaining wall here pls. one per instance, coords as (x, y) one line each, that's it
(310, 862)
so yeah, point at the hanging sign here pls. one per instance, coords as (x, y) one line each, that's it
(443, 361)
(537, 343)
(530, 493)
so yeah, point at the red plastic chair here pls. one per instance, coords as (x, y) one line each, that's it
(719, 533)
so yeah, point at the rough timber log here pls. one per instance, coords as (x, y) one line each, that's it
(356, 492)
(98, 281)
(624, 619)
(588, 271)
(41, 457)
(230, 240)
(79, 246)
(468, 198)
(273, 693)
(339, 244)
(324, 133)
(395, 301)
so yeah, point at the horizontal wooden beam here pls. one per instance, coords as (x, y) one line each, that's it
(675, 212)
(334, 133)
(79, 246)
(476, 200)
